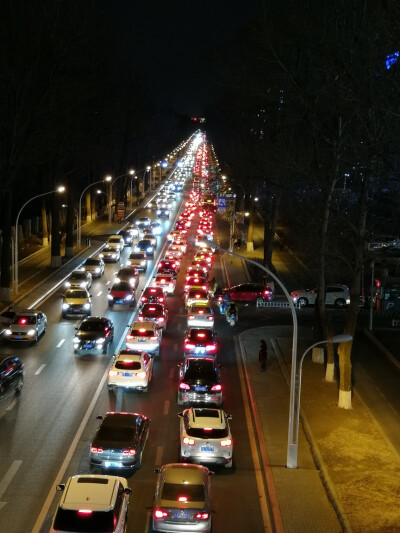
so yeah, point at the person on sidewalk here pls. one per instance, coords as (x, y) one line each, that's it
(262, 355)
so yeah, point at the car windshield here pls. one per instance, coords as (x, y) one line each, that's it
(76, 294)
(92, 262)
(199, 368)
(136, 256)
(122, 286)
(128, 365)
(78, 275)
(93, 522)
(91, 325)
(173, 491)
(114, 239)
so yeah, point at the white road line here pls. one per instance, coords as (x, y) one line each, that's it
(12, 405)
(39, 370)
(9, 476)
(171, 373)
(60, 343)
(108, 282)
(100, 293)
(159, 455)
(166, 407)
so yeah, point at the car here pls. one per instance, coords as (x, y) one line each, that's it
(11, 377)
(167, 282)
(95, 266)
(173, 256)
(200, 316)
(201, 255)
(129, 274)
(194, 295)
(79, 279)
(162, 212)
(130, 369)
(200, 381)
(335, 294)
(198, 264)
(145, 245)
(168, 266)
(6, 318)
(116, 242)
(147, 234)
(176, 249)
(138, 260)
(205, 437)
(200, 241)
(144, 336)
(199, 342)
(76, 302)
(27, 325)
(249, 292)
(127, 236)
(110, 254)
(92, 503)
(144, 221)
(179, 241)
(133, 230)
(93, 335)
(156, 227)
(121, 292)
(182, 500)
(119, 441)
(157, 313)
(154, 295)
(172, 235)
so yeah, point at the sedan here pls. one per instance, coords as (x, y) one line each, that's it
(79, 279)
(27, 325)
(121, 292)
(199, 381)
(205, 437)
(93, 335)
(153, 295)
(162, 212)
(119, 441)
(157, 313)
(144, 336)
(130, 369)
(197, 281)
(145, 245)
(200, 341)
(175, 249)
(94, 265)
(167, 282)
(11, 377)
(129, 274)
(200, 316)
(250, 292)
(182, 500)
(127, 236)
(138, 260)
(76, 302)
(337, 295)
(194, 295)
(144, 221)
(168, 266)
(110, 254)
(199, 264)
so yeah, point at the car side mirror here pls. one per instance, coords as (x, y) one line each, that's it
(228, 417)
(180, 365)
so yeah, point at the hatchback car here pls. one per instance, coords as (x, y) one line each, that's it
(167, 282)
(249, 292)
(145, 245)
(144, 336)
(195, 295)
(27, 325)
(119, 441)
(176, 250)
(122, 293)
(116, 242)
(200, 316)
(11, 377)
(93, 335)
(129, 274)
(110, 254)
(138, 260)
(92, 503)
(76, 302)
(79, 279)
(337, 295)
(130, 369)
(200, 341)
(157, 313)
(94, 265)
(182, 500)
(205, 437)
(153, 295)
(200, 381)
(148, 235)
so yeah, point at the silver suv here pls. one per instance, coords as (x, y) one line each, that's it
(335, 294)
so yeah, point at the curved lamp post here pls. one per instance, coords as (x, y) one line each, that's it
(79, 229)
(59, 189)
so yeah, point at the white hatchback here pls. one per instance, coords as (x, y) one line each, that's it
(144, 336)
(130, 369)
(200, 316)
(167, 282)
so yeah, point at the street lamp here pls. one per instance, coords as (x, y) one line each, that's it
(59, 189)
(79, 229)
(130, 173)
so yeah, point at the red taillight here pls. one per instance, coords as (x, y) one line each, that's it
(201, 516)
(182, 499)
(211, 348)
(216, 388)
(85, 511)
(161, 319)
(210, 318)
(152, 308)
(184, 386)
(201, 335)
(129, 337)
(224, 443)
(154, 338)
(190, 317)
(140, 318)
(22, 321)
(143, 298)
(160, 513)
(131, 452)
(188, 441)
(161, 300)
(93, 449)
(189, 346)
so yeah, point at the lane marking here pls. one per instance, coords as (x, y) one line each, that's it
(171, 373)
(39, 369)
(12, 405)
(60, 343)
(9, 476)
(108, 282)
(166, 407)
(100, 293)
(159, 455)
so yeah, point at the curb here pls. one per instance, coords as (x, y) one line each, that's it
(390, 357)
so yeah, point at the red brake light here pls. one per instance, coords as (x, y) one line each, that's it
(191, 317)
(159, 513)
(152, 308)
(22, 321)
(153, 290)
(189, 346)
(142, 330)
(182, 499)
(216, 388)
(184, 386)
(210, 318)
(211, 348)
(154, 338)
(140, 318)
(85, 511)
(201, 516)
(161, 319)
(129, 337)
(93, 449)
(131, 452)
(201, 335)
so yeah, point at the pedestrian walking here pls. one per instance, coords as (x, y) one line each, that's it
(262, 355)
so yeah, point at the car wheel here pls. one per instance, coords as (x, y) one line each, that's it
(303, 302)
(20, 385)
(340, 303)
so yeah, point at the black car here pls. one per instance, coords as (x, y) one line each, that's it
(93, 335)
(200, 381)
(145, 245)
(11, 377)
(127, 236)
(119, 441)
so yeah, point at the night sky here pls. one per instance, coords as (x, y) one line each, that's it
(167, 41)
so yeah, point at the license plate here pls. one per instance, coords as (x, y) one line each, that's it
(112, 464)
(119, 301)
(87, 346)
(77, 310)
(127, 374)
(18, 337)
(181, 516)
(200, 350)
(141, 340)
(199, 388)
(207, 448)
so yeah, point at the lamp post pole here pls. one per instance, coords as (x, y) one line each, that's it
(79, 229)
(59, 189)
(110, 184)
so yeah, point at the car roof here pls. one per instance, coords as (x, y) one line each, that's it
(180, 473)
(94, 492)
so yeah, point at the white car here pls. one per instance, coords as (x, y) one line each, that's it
(200, 316)
(167, 282)
(95, 266)
(133, 230)
(205, 437)
(130, 369)
(27, 325)
(110, 254)
(79, 279)
(92, 503)
(144, 336)
(335, 294)
(116, 242)
(138, 260)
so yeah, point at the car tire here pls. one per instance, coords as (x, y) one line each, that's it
(20, 385)
(302, 302)
(340, 303)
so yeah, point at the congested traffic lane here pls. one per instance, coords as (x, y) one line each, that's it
(40, 425)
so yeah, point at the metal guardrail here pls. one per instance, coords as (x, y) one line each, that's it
(395, 323)
(278, 304)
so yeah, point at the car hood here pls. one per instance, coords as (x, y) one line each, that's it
(120, 294)
(90, 335)
(76, 300)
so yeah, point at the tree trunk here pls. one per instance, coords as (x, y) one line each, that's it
(344, 352)
(250, 242)
(55, 261)
(45, 232)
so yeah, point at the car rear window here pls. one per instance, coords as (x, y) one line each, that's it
(92, 262)
(201, 336)
(93, 522)
(76, 294)
(201, 433)
(142, 333)
(128, 365)
(193, 493)
(78, 275)
(200, 369)
(139, 255)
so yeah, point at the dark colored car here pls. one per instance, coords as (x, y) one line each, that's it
(119, 441)
(153, 295)
(11, 376)
(93, 335)
(154, 313)
(200, 341)
(200, 381)
(123, 293)
(127, 236)
(168, 266)
(129, 274)
(145, 245)
(249, 292)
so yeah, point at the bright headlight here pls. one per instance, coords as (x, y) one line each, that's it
(149, 249)
(132, 281)
(128, 297)
(100, 341)
(68, 284)
(65, 305)
(97, 270)
(82, 285)
(110, 297)
(117, 280)
(86, 306)
(31, 332)
(76, 340)
(7, 332)
(113, 256)
(142, 263)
